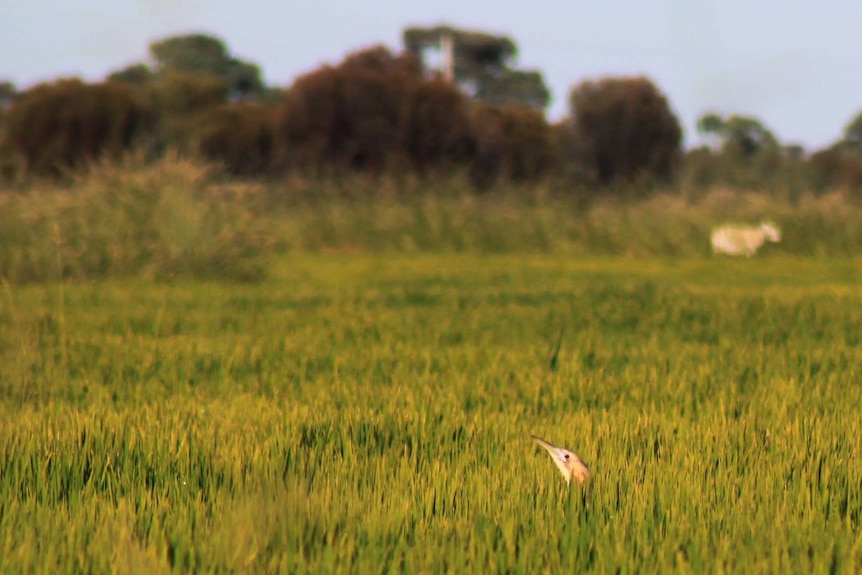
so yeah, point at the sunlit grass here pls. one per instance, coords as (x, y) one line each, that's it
(372, 413)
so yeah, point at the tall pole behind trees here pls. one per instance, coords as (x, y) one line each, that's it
(481, 64)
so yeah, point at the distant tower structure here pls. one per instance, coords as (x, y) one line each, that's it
(447, 52)
(480, 64)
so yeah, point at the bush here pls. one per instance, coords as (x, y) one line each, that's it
(348, 117)
(238, 137)
(180, 101)
(625, 129)
(837, 168)
(436, 131)
(165, 220)
(68, 123)
(512, 143)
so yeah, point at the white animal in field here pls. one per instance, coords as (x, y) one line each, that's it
(568, 462)
(736, 240)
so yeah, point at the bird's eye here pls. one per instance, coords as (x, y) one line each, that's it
(566, 457)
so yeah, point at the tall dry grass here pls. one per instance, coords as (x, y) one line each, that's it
(128, 219)
(180, 218)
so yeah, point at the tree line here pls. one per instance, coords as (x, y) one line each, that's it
(379, 112)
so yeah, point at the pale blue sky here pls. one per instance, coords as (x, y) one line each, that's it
(795, 64)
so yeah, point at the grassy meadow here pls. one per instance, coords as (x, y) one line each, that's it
(372, 413)
(199, 375)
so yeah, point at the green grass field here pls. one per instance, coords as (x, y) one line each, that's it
(373, 414)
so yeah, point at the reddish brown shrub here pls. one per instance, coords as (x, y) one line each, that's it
(238, 136)
(626, 128)
(514, 143)
(66, 123)
(436, 129)
(347, 117)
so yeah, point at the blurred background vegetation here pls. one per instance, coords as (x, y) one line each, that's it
(188, 163)
(378, 111)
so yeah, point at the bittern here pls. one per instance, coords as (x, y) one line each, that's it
(568, 462)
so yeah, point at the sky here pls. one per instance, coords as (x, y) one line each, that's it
(794, 64)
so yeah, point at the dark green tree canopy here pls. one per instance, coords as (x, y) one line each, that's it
(853, 133)
(191, 54)
(473, 51)
(514, 88)
(741, 135)
(482, 64)
(7, 93)
(136, 75)
(201, 54)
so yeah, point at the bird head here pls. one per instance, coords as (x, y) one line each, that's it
(568, 462)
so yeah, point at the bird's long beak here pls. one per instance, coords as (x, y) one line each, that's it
(549, 447)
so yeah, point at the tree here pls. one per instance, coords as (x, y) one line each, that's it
(711, 127)
(7, 94)
(436, 126)
(180, 99)
(238, 136)
(840, 165)
(482, 65)
(853, 134)
(66, 123)
(513, 143)
(624, 128)
(244, 79)
(741, 136)
(190, 54)
(514, 88)
(200, 54)
(349, 116)
(135, 75)
(749, 154)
